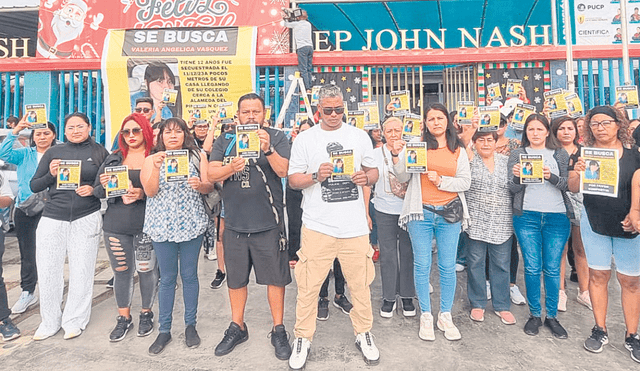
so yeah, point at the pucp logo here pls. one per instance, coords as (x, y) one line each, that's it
(581, 7)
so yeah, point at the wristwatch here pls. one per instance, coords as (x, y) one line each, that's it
(314, 177)
(270, 151)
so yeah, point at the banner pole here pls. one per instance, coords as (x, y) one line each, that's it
(625, 42)
(568, 41)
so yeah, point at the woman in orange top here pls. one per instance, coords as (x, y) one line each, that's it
(435, 205)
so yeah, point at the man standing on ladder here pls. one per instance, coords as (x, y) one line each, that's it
(304, 47)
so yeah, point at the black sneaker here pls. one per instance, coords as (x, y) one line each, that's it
(323, 309)
(598, 339)
(123, 325)
(532, 327)
(408, 309)
(191, 337)
(233, 336)
(387, 308)
(161, 342)
(8, 330)
(145, 326)
(110, 283)
(219, 280)
(632, 343)
(342, 303)
(556, 328)
(280, 341)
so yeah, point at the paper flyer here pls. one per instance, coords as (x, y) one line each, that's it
(314, 95)
(465, 112)
(493, 92)
(602, 172)
(489, 118)
(345, 108)
(574, 105)
(371, 115)
(200, 113)
(627, 95)
(554, 99)
(118, 184)
(36, 115)
(248, 141)
(416, 157)
(176, 165)
(343, 166)
(226, 111)
(399, 101)
(300, 117)
(169, 96)
(520, 115)
(411, 126)
(531, 169)
(513, 87)
(267, 113)
(69, 174)
(356, 118)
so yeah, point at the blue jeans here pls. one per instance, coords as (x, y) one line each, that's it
(542, 237)
(447, 234)
(499, 264)
(305, 58)
(168, 254)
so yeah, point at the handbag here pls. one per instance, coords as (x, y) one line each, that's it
(399, 189)
(451, 212)
(34, 205)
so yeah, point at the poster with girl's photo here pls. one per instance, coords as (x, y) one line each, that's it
(628, 96)
(465, 112)
(416, 157)
(36, 115)
(68, 174)
(248, 141)
(343, 166)
(176, 165)
(118, 183)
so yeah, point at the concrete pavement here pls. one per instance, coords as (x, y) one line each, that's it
(489, 345)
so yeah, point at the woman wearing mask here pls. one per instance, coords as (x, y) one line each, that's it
(27, 160)
(123, 220)
(70, 226)
(430, 197)
(541, 215)
(175, 220)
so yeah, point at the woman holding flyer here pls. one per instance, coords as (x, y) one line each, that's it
(541, 215)
(175, 220)
(27, 214)
(435, 205)
(70, 227)
(607, 228)
(123, 219)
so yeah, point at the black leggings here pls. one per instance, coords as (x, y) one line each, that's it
(26, 233)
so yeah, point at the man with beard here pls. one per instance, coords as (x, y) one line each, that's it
(57, 39)
(254, 224)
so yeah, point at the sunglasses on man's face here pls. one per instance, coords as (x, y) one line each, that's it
(145, 110)
(329, 110)
(127, 132)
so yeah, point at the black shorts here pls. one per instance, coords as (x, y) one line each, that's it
(260, 250)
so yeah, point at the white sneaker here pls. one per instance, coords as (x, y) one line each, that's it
(26, 300)
(584, 299)
(212, 255)
(459, 267)
(426, 327)
(516, 296)
(445, 323)
(562, 301)
(488, 290)
(370, 353)
(299, 352)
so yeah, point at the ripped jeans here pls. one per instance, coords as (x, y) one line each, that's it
(124, 264)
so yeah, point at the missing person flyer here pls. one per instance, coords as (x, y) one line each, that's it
(602, 172)
(118, 183)
(69, 174)
(627, 95)
(200, 113)
(531, 169)
(36, 115)
(416, 157)
(176, 165)
(300, 117)
(169, 96)
(493, 91)
(489, 118)
(574, 105)
(520, 115)
(247, 141)
(513, 87)
(399, 101)
(556, 103)
(371, 115)
(315, 94)
(465, 112)
(343, 167)
(411, 126)
(267, 113)
(356, 118)
(226, 112)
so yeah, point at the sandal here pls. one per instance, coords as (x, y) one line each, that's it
(506, 317)
(477, 314)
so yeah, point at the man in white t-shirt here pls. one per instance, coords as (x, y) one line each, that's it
(334, 221)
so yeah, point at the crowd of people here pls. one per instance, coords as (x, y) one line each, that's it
(287, 209)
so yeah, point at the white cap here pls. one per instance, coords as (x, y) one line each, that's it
(510, 105)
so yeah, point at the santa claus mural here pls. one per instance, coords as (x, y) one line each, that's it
(60, 32)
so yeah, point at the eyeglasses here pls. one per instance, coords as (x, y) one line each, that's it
(74, 128)
(202, 127)
(145, 110)
(127, 132)
(605, 124)
(329, 110)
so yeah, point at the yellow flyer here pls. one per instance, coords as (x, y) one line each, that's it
(226, 111)
(356, 118)
(169, 96)
(343, 166)
(627, 95)
(531, 169)
(371, 115)
(489, 118)
(247, 141)
(176, 165)
(555, 101)
(267, 113)
(399, 101)
(36, 115)
(602, 172)
(345, 108)
(493, 92)
(465, 112)
(513, 87)
(118, 183)
(200, 113)
(69, 174)
(300, 117)
(574, 105)
(411, 126)
(520, 115)
(314, 95)
(416, 157)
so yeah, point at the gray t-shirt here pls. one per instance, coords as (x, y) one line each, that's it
(544, 198)
(301, 33)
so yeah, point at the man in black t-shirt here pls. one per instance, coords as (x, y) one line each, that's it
(253, 201)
